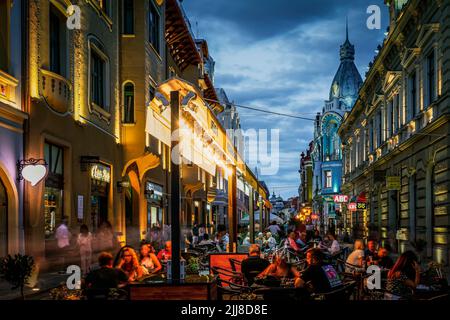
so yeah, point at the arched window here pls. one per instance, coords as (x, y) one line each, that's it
(128, 99)
(128, 17)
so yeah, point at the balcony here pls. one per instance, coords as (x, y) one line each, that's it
(8, 86)
(56, 90)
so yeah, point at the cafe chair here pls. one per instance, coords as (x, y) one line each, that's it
(341, 294)
(234, 263)
(233, 277)
(233, 291)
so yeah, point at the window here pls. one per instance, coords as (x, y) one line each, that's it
(128, 17)
(379, 128)
(390, 119)
(4, 35)
(328, 179)
(128, 99)
(153, 27)
(57, 41)
(412, 93)
(98, 66)
(54, 188)
(371, 136)
(395, 113)
(151, 93)
(431, 78)
(106, 7)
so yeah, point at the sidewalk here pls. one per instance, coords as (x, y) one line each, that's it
(45, 283)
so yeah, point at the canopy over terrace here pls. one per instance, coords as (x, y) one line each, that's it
(201, 143)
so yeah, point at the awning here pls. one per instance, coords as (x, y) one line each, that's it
(196, 142)
(362, 197)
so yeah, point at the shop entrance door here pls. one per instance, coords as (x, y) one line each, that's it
(3, 221)
(99, 207)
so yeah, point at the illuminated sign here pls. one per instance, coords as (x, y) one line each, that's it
(361, 206)
(352, 206)
(101, 173)
(340, 198)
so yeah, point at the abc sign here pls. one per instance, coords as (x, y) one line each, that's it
(340, 198)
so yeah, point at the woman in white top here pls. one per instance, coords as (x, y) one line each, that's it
(356, 257)
(149, 261)
(84, 242)
(335, 247)
(271, 242)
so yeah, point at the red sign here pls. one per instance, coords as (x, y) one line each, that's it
(340, 198)
(314, 217)
(352, 206)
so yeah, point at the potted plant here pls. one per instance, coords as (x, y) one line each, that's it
(17, 270)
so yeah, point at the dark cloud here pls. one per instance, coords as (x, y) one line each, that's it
(282, 55)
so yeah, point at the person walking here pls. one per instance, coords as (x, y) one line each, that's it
(62, 236)
(84, 242)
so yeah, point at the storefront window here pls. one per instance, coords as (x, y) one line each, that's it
(154, 194)
(3, 221)
(100, 186)
(54, 188)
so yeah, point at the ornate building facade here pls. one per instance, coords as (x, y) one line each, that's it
(327, 152)
(396, 138)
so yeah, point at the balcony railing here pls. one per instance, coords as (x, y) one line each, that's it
(56, 90)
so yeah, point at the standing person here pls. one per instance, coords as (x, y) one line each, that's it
(201, 231)
(195, 234)
(62, 237)
(105, 237)
(84, 242)
(274, 228)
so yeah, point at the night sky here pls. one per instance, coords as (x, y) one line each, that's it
(282, 55)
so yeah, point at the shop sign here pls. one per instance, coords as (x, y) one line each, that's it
(328, 198)
(101, 173)
(402, 234)
(393, 183)
(154, 189)
(340, 198)
(352, 206)
(361, 206)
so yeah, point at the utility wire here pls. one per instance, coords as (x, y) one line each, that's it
(266, 111)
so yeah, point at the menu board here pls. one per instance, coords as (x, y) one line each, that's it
(332, 276)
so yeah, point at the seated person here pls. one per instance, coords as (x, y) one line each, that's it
(356, 258)
(106, 277)
(291, 241)
(317, 277)
(371, 253)
(301, 240)
(335, 247)
(206, 240)
(384, 260)
(166, 253)
(129, 264)
(254, 264)
(280, 269)
(149, 261)
(271, 243)
(403, 277)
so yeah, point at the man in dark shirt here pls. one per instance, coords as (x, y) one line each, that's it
(317, 277)
(98, 282)
(254, 264)
(384, 260)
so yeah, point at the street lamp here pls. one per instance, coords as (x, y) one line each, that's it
(32, 170)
